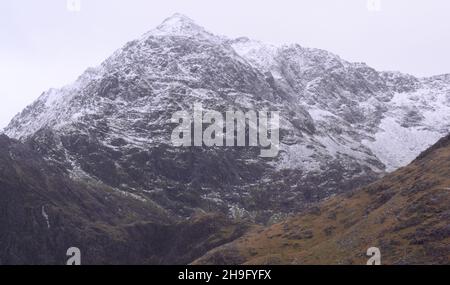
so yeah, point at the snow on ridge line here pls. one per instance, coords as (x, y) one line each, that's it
(262, 56)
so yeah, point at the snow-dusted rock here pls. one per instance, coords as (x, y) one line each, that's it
(342, 124)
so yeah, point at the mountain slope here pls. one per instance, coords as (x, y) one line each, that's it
(44, 212)
(342, 124)
(405, 215)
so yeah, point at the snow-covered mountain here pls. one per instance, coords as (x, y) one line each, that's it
(343, 124)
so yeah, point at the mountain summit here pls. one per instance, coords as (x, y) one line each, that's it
(343, 124)
(179, 25)
(179, 21)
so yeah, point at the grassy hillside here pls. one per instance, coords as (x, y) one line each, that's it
(406, 215)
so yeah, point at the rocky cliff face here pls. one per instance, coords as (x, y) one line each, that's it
(44, 213)
(342, 124)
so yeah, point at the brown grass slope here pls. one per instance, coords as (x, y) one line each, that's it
(406, 215)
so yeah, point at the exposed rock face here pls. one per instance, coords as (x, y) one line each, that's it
(44, 212)
(405, 215)
(342, 124)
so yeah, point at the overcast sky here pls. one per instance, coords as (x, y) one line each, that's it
(43, 44)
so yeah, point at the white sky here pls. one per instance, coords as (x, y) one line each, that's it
(44, 45)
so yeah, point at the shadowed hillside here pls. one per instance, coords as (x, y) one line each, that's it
(43, 212)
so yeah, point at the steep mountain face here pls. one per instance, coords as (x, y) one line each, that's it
(342, 124)
(391, 115)
(44, 212)
(405, 215)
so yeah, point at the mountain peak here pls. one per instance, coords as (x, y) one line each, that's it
(179, 18)
(179, 24)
